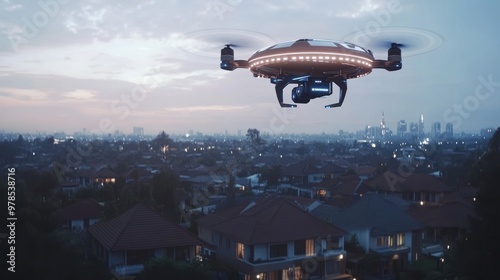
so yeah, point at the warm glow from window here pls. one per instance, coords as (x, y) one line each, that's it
(240, 247)
(309, 247)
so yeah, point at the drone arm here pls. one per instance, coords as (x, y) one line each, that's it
(241, 64)
(231, 65)
(387, 64)
(341, 82)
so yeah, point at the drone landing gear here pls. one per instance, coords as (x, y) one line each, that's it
(281, 83)
(342, 84)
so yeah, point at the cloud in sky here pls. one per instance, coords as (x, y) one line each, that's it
(157, 63)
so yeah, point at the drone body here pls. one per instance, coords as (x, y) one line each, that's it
(313, 65)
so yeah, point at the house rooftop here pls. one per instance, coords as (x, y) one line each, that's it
(377, 212)
(450, 215)
(416, 182)
(272, 219)
(141, 228)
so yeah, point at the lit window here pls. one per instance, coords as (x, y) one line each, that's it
(240, 247)
(400, 239)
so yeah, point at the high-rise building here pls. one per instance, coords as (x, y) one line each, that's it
(373, 132)
(401, 130)
(421, 125)
(436, 129)
(138, 131)
(414, 129)
(449, 130)
(383, 128)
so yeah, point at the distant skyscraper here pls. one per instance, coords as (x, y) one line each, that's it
(373, 132)
(414, 129)
(421, 125)
(401, 128)
(383, 129)
(436, 130)
(138, 131)
(449, 130)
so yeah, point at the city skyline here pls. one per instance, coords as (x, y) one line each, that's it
(104, 67)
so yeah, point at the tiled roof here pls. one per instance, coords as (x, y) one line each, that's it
(141, 228)
(271, 220)
(372, 211)
(311, 166)
(348, 188)
(451, 215)
(84, 209)
(416, 182)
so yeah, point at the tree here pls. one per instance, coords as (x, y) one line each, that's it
(272, 175)
(160, 269)
(475, 256)
(161, 141)
(164, 191)
(253, 136)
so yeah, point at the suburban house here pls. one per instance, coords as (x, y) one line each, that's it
(420, 188)
(81, 214)
(443, 224)
(275, 238)
(312, 190)
(310, 170)
(138, 235)
(311, 177)
(388, 236)
(104, 176)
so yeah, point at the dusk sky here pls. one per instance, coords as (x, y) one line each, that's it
(112, 65)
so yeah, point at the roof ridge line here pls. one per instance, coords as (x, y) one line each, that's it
(133, 211)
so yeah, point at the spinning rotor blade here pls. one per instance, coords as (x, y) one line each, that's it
(412, 41)
(385, 44)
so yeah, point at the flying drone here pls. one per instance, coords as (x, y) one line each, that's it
(313, 65)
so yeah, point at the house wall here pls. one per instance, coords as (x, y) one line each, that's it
(80, 224)
(206, 234)
(363, 238)
(76, 224)
(260, 252)
(314, 178)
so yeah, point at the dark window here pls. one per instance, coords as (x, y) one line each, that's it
(278, 250)
(333, 243)
(299, 247)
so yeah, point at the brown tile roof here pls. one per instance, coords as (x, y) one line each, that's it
(311, 166)
(141, 228)
(271, 220)
(84, 209)
(348, 188)
(451, 215)
(416, 182)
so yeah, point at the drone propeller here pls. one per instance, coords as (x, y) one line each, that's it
(385, 44)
